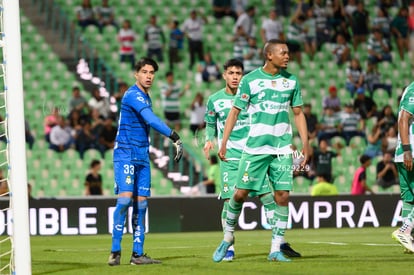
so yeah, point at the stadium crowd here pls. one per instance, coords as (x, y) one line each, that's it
(358, 42)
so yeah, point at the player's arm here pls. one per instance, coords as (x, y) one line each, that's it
(263, 35)
(403, 130)
(157, 124)
(300, 122)
(381, 173)
(210, 118)
(211, 133)
(228, 128)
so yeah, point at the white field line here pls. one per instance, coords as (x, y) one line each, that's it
(366, 244)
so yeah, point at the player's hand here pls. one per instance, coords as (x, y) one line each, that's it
(222, 153)
(178, 146)
(306, 156)
(207, 147)
(408, 160)
(178, 150)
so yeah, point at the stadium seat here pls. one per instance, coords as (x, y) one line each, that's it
(358, 143)
(301, 185)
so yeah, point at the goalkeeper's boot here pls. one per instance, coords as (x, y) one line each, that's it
(404, 239)
(114, 258)
(286, 249)
(229, 256)
(221, 251)
(143, 259)
(277, 256)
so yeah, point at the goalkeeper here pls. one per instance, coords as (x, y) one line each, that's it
(132, 163)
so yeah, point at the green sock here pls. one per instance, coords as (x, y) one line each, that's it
(408, 223)
(269, 207)
(406, 210)
(233, 213)
(224, 214)
(281, 220)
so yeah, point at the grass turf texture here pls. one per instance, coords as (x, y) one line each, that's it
(324, 251)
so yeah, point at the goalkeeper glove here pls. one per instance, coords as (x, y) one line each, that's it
(178, 146)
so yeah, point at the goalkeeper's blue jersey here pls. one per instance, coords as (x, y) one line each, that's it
(135, 120)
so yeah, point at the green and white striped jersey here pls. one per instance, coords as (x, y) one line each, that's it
(171, 103)
(406, 104)
(268, 98)
(219, 105)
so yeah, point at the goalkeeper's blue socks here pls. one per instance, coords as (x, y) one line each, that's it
(138, 225)
(121, 210)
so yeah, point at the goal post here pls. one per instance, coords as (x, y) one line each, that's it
(12, 60)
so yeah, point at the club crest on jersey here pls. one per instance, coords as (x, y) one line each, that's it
(245, 177)
(244, 97)
(285, 83)
(261, 95)
(226, 188)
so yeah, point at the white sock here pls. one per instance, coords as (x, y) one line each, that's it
(276, 242)
(228, 236)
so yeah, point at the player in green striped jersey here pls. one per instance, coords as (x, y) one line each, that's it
(218, 108)
(267, 94)
(404, 160)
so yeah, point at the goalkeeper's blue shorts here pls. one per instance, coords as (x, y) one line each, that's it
(132, 177)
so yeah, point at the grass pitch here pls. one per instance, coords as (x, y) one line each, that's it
(324, 251)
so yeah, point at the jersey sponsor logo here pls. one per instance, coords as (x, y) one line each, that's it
(411, 100)
(140, 98)
(269, 106)
(211, 113)
(274, 83)
(128, 180)
(244, 97)
(221, 104)
(261, 84)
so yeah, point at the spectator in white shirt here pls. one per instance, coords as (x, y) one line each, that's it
(193, 30)
(126, 38)
(61, 136)
(272, 28)
(100, 103)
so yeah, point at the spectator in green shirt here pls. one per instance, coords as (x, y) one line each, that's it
(212, 183)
